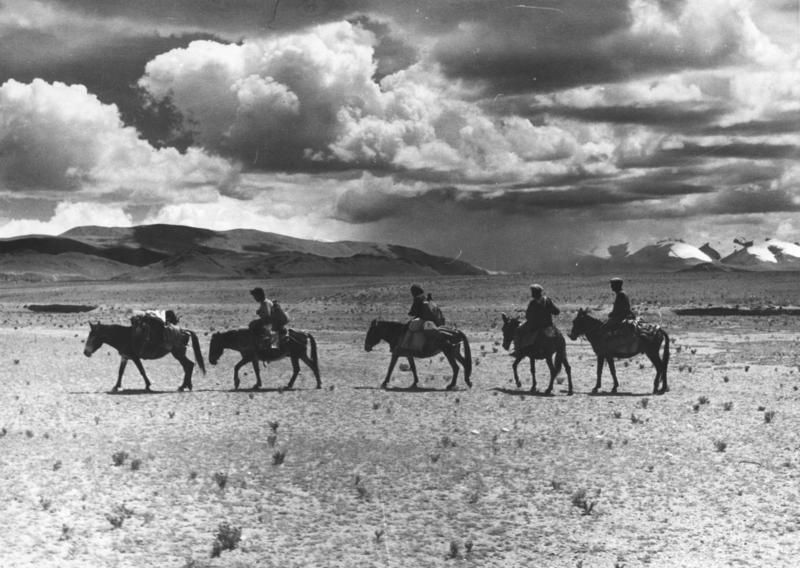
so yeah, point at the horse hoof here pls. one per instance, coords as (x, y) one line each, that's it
(569, 393)
(594, 391)
(548, 391)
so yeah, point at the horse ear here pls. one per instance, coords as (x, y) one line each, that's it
(505, 317)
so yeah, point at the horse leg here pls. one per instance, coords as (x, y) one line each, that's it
(552, 368)
(656, 361)
(257, 370)
(460, 358)
(452, 360)
(600, 361)
(613, 369)
(517, 359)
(138, 363)
(305, 359)
(122, 362)
(295, 371)
(392, 363)
(568, 370)
(533, 373)
(188, 367)
(241, 363)
(413, 367)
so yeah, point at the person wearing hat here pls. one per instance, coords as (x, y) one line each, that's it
(622, 305)
(418, 302)
(266, 322)
(538, 316)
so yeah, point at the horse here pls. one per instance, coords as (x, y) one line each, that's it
(243, 341)
(544, 348)
(607, 347)
(442, 340)
(121, 338)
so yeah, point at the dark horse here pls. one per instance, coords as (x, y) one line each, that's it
(120, 337)
(243, 341)
(544, 348)
(444, 340)
(608, 346)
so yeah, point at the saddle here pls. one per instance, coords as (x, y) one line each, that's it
(621, 334)
(151, 332)
(526, 338)
(418, 335)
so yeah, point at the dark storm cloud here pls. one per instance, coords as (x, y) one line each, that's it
(109, 69)
(670, 117)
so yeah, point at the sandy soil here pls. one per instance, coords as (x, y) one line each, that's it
(706, 475)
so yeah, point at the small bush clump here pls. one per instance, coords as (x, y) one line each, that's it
(119, 457)
(227, 538)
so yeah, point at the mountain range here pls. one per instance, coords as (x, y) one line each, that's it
(771, 255)
(160, 252)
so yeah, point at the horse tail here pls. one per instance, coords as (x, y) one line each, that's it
(665, 359)
(467, 355)
(313, 343)
(198, 355)
(561, 354)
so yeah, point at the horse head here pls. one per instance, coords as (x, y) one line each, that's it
(510, 326)
(579, 324)
(373, 336)
(215, 349)
(93, 341)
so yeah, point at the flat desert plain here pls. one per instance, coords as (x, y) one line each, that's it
(351, 475)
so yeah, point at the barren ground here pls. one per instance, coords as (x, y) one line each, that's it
(706, 475)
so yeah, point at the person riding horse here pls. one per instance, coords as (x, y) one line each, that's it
(270, 327)
(538, 317)
(423, 310)
(621, 313)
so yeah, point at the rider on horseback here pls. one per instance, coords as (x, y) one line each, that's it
(621, 313)
(270, 327)
(423, 310)
(538, 317)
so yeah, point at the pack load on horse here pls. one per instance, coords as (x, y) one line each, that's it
(269, 329)
(622, 336)
(444, 340)
(426, 318)
(537, 338)
(152, 329)
(299, 346)
(151, 335)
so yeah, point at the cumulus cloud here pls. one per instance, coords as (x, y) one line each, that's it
(68, 215)
(60, 138)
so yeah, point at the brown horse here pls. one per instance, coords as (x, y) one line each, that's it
(121, 338)
(243, 341)
(608, 346)
(544, 348)
(444, 340)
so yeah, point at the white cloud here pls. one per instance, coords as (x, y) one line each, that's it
(68, 215)
(57, 137)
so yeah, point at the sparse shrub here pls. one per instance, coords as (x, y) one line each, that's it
(768, 416)
(278, 456)
(136, 464)
(227, 538)
(703, 400)
(221, 479)
(454, 551)
(57, 465)
(45, 503)
(66, 532)
(643, 403)
(727, 406)
(617, 414)
(635, 419)
(361, 490)
(580, 500)
(118, 515)
(29, 433)
(435, 458)
(192, 475)
(557, 485)
(274, 426)
(272, 439)
(720, 445)
(119, 457)
(446, 442)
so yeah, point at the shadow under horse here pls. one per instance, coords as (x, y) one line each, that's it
(121, 338)
(296, 347)
(444, 340)
(544, 348)
(608, 345)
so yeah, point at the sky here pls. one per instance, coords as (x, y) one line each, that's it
(511, 134)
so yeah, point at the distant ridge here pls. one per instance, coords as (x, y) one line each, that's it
(160, 252)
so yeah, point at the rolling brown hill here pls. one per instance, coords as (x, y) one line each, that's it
(156, 252)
